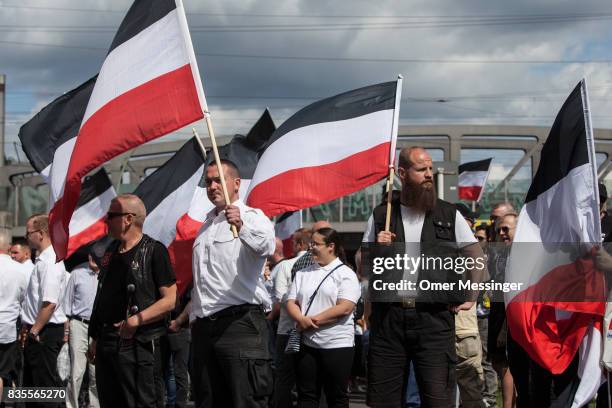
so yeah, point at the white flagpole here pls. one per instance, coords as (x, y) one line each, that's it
(200, 89)
(398, 101)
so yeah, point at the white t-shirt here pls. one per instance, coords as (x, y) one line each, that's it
(13, 285)
(341, 284)
(282, 283)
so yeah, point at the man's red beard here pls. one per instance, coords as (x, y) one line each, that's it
(420, 197)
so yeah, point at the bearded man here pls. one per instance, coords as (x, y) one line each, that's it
(417, 327)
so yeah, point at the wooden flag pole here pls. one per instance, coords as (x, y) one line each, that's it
(197, 137)
(213, 141)
(398, 101)
(389, 196)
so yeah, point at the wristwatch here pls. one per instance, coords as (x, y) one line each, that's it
(33, 335)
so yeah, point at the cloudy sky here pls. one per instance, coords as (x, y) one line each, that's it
(477, 61)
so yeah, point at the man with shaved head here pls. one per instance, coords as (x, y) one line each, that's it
(42, 315)
(416, 327)
(136, 292)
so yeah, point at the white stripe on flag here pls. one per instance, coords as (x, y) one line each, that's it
(59, 169)
(156, 50)
(324, 143)
(589, 370)
(88, 214)
(472, 178)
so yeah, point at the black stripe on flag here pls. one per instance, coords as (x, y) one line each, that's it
(565, 148)
(244, 151)
(55, 124)
(171, 175)
(348, 105)
(284, 216)
(94, 186)
(480, 165)
(142, 14)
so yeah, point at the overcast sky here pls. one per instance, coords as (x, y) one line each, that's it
(462, 62)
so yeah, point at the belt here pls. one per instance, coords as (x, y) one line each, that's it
(79, 318)
(232, 311)
(405, 304)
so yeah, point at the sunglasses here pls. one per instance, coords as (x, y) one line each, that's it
(110, 215)
(503, 229)
(478, 237)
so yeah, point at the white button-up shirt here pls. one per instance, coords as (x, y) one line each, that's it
(228, 271)
(80, 292)
(47, 284)
(13, 286)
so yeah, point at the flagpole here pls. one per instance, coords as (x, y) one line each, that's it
(200, 89)
(398, 101)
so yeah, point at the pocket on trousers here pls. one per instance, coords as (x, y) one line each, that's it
(260, 375)
(468, 347)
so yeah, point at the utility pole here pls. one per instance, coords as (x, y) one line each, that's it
(2, 117)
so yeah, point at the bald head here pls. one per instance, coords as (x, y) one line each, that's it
(131, 203)
(5, 241)
(409, 156)
(320, 224)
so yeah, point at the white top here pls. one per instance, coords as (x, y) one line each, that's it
(282, 283)
(341, 284)
(81, 291)
(27, 268)
(228, 271)
(413, 225)
(47, 284)
(13, 286)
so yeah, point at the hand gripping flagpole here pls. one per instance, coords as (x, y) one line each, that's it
(200, 89)
(398, 101)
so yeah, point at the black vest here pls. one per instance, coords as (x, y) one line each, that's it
(146, 293)
(437, 241)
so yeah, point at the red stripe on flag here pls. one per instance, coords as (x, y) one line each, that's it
(288, 247)
(469, 193)
(532, 320)
(181, 249)
(308, 186)
(94, 231)
(144, 113)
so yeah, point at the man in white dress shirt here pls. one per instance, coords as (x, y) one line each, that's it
(20, 251)
(78, 302)
(13, 285)
(231, 360)
(42, 315)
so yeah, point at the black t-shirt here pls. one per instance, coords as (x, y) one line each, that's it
(113, 298)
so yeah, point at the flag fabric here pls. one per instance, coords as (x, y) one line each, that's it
(284, 228)
(41, 137)
(242, 151)
(148, 86)
(89, 219)
(561, 207)
(472, 179)
(328, 149)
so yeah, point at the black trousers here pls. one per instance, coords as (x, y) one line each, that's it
(425, 336)
(175, 347)
(40, 361)
(327, 369)
(536, 386)
(284, 374)
(126, 372)
(231, 361)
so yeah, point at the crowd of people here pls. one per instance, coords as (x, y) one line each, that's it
(256, 329)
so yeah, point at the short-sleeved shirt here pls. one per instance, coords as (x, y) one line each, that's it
(13, 285)
(80, 292)
(282, 283)
(47, 284)
(341, 284)
(113, 296)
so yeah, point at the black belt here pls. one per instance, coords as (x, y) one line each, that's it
(233, 311)
(79, 318)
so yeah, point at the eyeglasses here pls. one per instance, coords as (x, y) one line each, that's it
(478, 237)
(503, 229)
(28, 233)
(315, 243)
(110, 215)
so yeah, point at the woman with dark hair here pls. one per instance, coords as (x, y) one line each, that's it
(321, 301)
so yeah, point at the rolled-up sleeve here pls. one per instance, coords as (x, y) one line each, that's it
(257, 232)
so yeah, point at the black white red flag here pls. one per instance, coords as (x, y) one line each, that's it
(41, 138)
(558, 311)
(328, 149)
(148, 86)
(473, 178)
